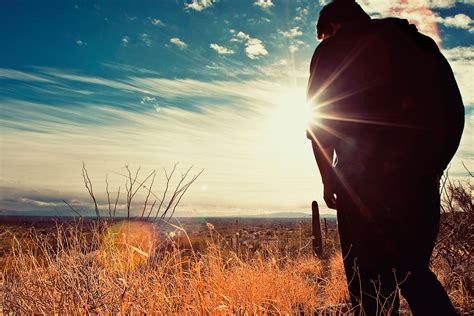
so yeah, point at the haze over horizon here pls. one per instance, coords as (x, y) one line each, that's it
(215, 84)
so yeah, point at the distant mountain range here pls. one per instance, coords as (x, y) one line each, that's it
(285, 215)
(43, 213)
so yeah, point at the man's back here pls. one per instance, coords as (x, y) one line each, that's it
(386, 91)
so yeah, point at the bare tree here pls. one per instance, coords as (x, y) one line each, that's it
(133, 185)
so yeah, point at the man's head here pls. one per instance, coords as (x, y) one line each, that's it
(337, 13)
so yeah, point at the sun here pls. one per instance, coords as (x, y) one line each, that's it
(291, 112)
(285, 123)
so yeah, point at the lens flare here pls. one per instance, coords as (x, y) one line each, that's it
(128, 244)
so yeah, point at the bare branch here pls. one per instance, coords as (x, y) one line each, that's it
(175, 193)
(186, 187)
(168, 179)
(149, 192)
(108, 194)
(72, 209)
(116, 201)
(130, 192)
(151, 209)
(88, 184)
(468, 171)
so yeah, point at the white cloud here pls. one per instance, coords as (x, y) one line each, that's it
(376, 6)
(440, 3)
(81, 43)
(292, 32)
(461, 60)
(176, 41)
(254, 47)
(146, 99)
(221, 50)
(293, 48)
(460, 20)
(459, 53)
(199, 5)
(125, 41)
(156, 22)
(146, 39)
(265, 4)
(243, 36)
(416, 12)
(281, 62)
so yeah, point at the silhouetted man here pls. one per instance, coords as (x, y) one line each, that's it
(389, 118)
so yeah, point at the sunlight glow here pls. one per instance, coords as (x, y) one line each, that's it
(292, 112)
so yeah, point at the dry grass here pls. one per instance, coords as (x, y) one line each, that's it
(125, 269)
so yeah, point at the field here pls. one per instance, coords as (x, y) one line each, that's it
(189, 266)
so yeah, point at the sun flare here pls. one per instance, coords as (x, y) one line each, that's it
(292, 112)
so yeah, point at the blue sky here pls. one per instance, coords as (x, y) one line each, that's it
(215, 84)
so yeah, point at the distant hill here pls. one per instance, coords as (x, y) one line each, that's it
(286, 215)
(43, 213)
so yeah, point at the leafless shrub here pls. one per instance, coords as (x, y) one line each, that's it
(452, 256)
(166, 202)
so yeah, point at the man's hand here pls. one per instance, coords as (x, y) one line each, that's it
(330, 196)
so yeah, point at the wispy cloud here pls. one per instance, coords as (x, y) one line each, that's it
(176, 41)
(20, 75)
(239, 124)
(81, 43)
(125, 41)
(301, 13)
(157, 22)
(129, 69)
(221, 50)
(264, 4)
(114, 84)
(292, 32)
(199, 5)
(293, 48)
(146, 39)
(237, 129)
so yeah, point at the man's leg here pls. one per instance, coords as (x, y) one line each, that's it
(425, 294)
(371, 282)
(422, 290)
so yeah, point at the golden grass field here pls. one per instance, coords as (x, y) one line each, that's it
(127, 268)
(90, 268)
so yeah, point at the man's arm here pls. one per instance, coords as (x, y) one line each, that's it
(322, 141)
(324, 157)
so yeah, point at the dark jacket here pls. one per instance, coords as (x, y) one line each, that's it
(387, 99)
